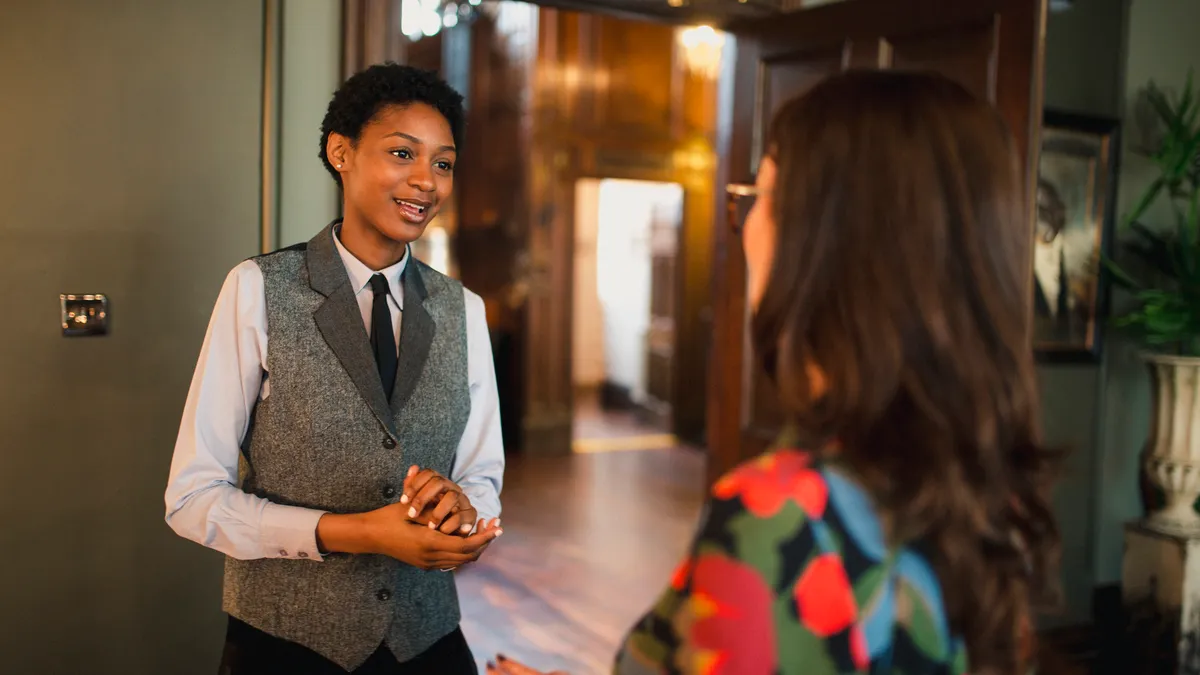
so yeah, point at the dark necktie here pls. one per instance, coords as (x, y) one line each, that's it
(383, 339)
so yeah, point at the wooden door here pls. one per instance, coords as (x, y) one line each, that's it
(994, 47)
(660, 337)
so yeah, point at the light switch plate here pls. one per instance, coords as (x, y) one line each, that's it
(84, 314)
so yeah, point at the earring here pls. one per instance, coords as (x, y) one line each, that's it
(339, 166)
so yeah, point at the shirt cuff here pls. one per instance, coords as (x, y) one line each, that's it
(484, 501)
(290, 532)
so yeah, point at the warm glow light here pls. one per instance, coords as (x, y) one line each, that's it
(431, 18)
(701, 47)
(426, 17)
(410, 18)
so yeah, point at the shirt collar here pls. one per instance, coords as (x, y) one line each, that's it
(360, 274)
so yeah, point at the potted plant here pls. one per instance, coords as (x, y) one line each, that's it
(1162, 273)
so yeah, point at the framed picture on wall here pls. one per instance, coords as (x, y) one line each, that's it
(1076, 190)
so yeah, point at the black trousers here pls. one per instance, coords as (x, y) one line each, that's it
(250, 651)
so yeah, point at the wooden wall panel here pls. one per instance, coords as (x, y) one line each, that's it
(371, 34)
(633, 70)
(493, 183)
(612, 99)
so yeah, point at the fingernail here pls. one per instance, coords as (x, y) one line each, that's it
(432, 526)
(491, 666)
(501, 657)
(403, 499)
(465, 528)
(412, 470)
(499, 532)
(412, 513)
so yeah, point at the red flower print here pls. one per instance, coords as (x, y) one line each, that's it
(858, 648)
(824, 599)
(680, 576)
(734, 632)
(769, 481)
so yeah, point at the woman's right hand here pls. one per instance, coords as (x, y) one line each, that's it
(388, 531)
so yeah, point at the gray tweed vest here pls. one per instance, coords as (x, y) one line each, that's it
(327, 438)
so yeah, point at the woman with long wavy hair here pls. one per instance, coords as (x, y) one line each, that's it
(888, 255)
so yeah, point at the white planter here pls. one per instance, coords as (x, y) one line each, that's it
(1173, 453)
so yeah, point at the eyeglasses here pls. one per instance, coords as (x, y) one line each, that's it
(739, 197)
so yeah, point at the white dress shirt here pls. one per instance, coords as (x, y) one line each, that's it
(203, 499)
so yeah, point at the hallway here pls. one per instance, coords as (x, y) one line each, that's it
(590, 539)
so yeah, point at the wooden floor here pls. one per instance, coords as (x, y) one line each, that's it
(590, 540)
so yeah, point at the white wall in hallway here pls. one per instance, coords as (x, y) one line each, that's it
(623, 274)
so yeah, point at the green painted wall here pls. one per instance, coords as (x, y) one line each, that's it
(131, 167)
(310, 59)
(1162, 46)
(1084, 63)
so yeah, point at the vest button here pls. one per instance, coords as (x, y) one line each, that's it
(384, 595)
(389, 442)
(389, 492)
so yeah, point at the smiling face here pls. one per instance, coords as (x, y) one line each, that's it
(397, 175)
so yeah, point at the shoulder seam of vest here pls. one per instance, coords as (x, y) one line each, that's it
(302, 246)
(427, 270)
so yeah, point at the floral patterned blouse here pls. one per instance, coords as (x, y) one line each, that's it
(790, 574)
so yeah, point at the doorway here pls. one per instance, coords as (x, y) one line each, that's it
(623, 324)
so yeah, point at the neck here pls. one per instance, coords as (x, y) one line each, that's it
(370, 245)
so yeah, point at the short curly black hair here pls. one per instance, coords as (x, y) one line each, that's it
(367, 92)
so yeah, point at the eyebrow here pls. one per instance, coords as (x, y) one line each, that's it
(418, 141)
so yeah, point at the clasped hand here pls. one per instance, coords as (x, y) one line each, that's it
(431, 527)
(438, 503)
(438, 519)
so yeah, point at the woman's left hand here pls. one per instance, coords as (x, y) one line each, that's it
(506, 666)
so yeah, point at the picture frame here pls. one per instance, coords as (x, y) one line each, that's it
(1072, 232)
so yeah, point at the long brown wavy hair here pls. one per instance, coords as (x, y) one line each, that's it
(901, 272)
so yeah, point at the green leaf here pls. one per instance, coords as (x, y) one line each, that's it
(1158, 99)
(757, 540)
(1120, 276)
(800, 651)
(1163, 272)
(1144, 203)
(1154, 249)
(1192, 224)
(960, 661)
(868, 588)
(920, 623)
(1191, 114)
